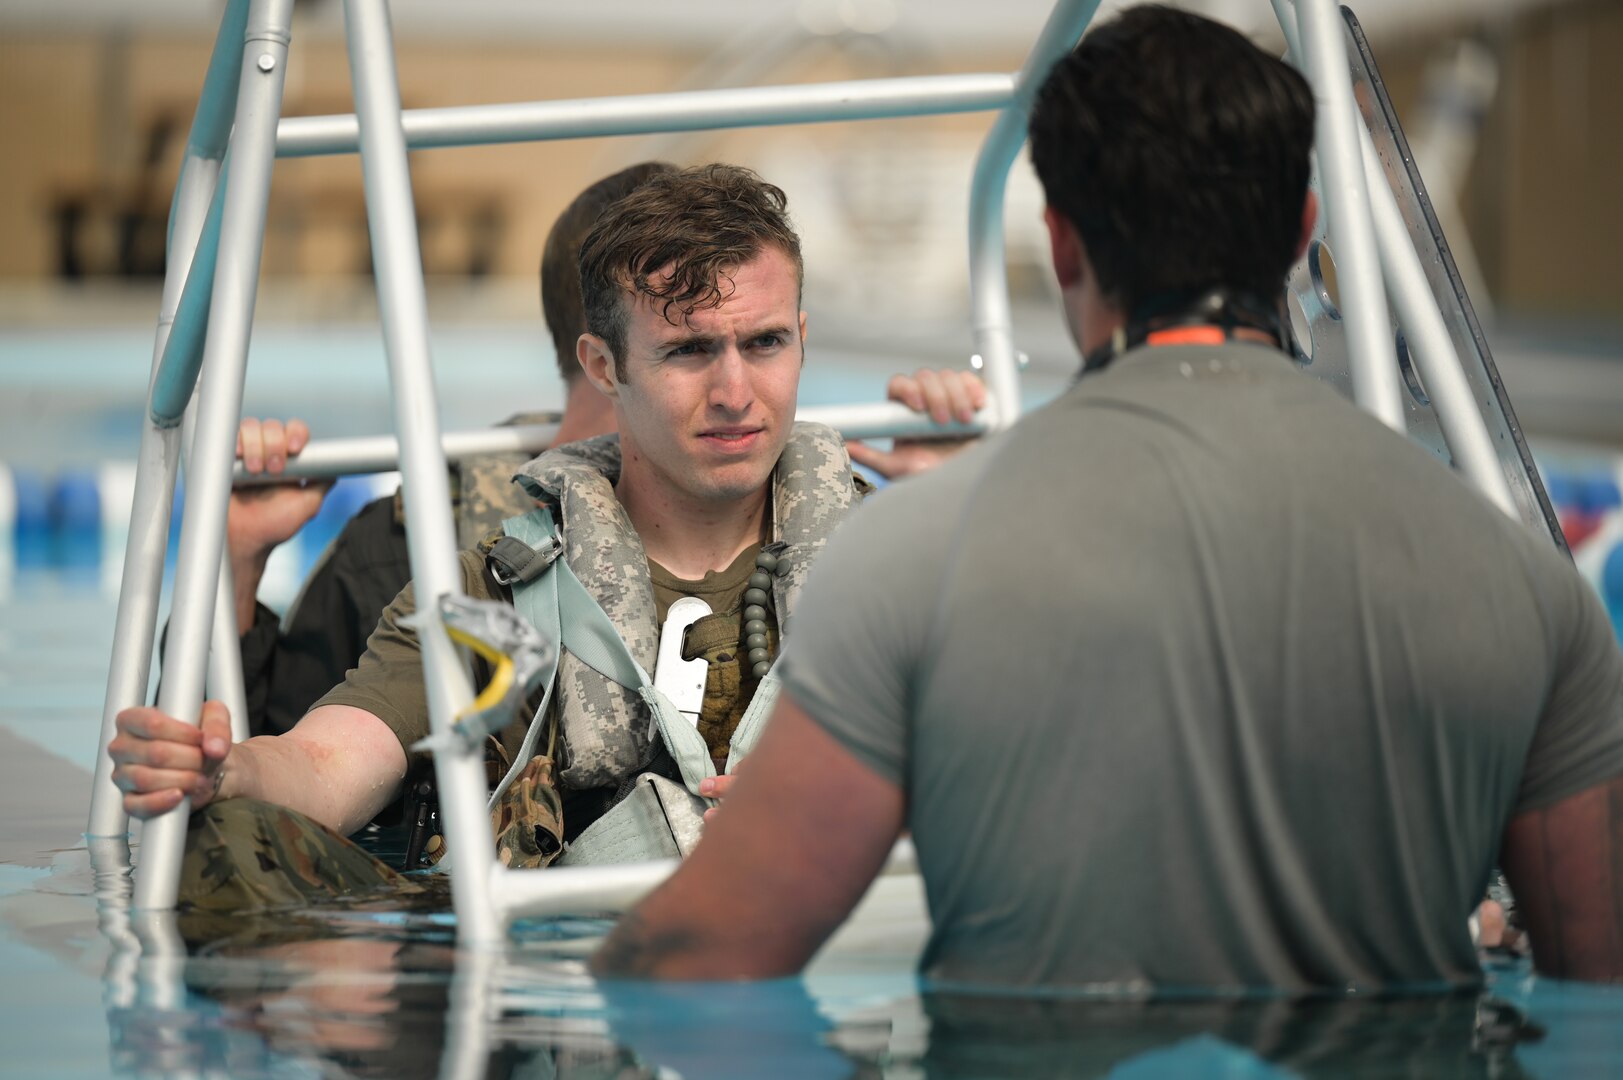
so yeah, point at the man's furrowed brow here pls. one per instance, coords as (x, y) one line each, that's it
(676, 341)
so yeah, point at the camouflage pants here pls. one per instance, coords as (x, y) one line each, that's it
(243, 854)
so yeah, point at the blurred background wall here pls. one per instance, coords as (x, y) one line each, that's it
(95, 99)
(1509, 104)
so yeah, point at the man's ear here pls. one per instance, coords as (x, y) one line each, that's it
(597, 362)
(1310, 215)
(1065, 246)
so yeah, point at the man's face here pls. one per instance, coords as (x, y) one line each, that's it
(707, 403)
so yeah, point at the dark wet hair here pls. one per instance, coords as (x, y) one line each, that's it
(701, 222)
(560, 258)
(1179, 150)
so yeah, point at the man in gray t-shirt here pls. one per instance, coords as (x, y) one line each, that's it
(1199, 678)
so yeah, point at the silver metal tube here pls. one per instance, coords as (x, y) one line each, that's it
(160, 973)
(1464, 430)
(1285, 12)
(585, 890)
(135, 625)
(202, 537)
(576, 890)
(643, 114)
(326, 458)
(473, 1001)
(224, 678)
(1370, 348)
(991, 322)
(210, 132)
(216, 103)
(110, 872)
(176, 379)
(323, 459)
(141, 588)
(431, 540)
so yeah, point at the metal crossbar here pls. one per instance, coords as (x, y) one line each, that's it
(217, 230)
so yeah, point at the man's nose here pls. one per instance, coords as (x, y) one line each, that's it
(730, 388)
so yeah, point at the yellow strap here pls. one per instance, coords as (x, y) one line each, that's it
(501, 679)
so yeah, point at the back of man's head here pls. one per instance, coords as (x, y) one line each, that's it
(1179, 151)
(560, 258)
(674, 239)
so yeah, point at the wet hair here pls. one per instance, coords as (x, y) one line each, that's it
(1179, 150)
(560, 258)
(701, 223)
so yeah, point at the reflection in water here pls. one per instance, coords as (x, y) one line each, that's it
(353, 990)
(1454, 1035)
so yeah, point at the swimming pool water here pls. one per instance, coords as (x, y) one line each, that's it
(88, 990)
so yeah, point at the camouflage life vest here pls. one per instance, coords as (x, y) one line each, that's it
(606, 728)
(483, 491)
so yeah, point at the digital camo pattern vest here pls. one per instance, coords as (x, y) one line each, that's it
(606, 727)
(484, 492)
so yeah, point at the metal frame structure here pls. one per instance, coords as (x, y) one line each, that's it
(216, 235)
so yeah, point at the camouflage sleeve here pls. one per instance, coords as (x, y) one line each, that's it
(388, 681)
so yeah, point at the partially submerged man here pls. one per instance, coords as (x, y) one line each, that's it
(691, 287)
(289, 663)
(1199, 678)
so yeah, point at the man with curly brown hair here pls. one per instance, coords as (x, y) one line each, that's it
(710, 492)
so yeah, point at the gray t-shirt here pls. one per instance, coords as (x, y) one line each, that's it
(1199, 677)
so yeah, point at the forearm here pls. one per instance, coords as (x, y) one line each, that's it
(1565, 866)
(247, 570)
(663, 939)
(785, 859)
(339, 766)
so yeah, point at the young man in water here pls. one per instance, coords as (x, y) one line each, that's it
(691, 287)
(289, 664)
(1221, 684)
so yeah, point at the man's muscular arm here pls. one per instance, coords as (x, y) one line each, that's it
(340, 765)
(804, 832)
(1565, 864)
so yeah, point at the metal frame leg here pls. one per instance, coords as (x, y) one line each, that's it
(223, 680)
(992, 324)
(136, 622)
(397, 258)
(202, 537)
(1371, 358)
(1469, 443)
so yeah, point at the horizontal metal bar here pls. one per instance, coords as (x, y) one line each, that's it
(575, 890)
(324, 459)
(597, 890)
(643, 114)
(886, 419)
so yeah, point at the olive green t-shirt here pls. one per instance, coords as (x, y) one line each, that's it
(388, 680)
(718, 637)
(1201, 677)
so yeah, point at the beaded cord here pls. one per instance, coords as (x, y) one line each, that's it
(756, 599)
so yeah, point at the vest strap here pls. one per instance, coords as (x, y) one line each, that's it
(559, 606)
(512, 560)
